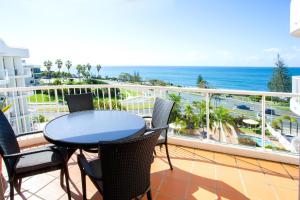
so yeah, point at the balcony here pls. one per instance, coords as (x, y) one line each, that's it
(197, 174)
(211, 160)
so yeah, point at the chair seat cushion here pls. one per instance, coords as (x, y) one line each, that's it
(161, 140)
(40, 161)
(97, 171)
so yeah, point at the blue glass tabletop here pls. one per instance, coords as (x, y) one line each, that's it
(88, 128)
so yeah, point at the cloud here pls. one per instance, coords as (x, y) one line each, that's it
(271, 50)
(296, 48)
(252, 58)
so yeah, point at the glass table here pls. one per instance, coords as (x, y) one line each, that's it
(87, 128)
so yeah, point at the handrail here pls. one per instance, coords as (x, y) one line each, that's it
(172, 88)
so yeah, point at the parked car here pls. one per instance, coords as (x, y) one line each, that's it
(269, 111)
(243, 107)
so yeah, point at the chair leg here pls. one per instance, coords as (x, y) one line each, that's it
(11, 193)
(17, 185)
(62, 178)
(167, 151)
(149, 195)
(66, 171)
(20, 184)
(83, 179)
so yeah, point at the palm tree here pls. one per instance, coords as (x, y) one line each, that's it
(59, 64)
(280, 120)
(222, 116)
(294, 120)
(68, 65)
(79, 70)
(48, 65)
(201, 108)
(176, 111)
(89, 67)
(189, 114)
(98, 70)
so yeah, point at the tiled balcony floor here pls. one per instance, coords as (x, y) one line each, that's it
(197, 174)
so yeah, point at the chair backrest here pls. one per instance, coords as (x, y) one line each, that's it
(80, 102)
(126, 166)
(8, 140)
(161, 113)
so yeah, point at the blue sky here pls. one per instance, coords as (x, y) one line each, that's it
(152, 32)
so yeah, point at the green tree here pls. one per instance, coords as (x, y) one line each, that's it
(281, 80)
(68, 65)
(79, 69)
(201, 113)
(176, 112)
(280, 121)
(136, 77)
(48, 65)
(59, 64)
(189, 116)
(98, 69)
(88, 67)
(201, 82)
(222, 116)
(125, 77)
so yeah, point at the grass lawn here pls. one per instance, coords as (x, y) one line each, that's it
(41, 98)
(126, 92)
(138, 106)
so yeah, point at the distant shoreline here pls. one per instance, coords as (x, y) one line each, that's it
(237, 78)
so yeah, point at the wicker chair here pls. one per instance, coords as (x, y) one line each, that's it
(31, 162)
(123, 170)
(160, 118)
(80, 102)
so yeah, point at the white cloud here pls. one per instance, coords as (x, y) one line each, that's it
(228, 55)
(296, 48)
(271, 50)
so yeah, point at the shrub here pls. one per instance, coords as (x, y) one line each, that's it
(104, 104)
(41, 118)
(275, 148)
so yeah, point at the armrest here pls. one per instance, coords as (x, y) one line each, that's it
(17, 155)
(157, 129)
(29, 133)
(84, 165)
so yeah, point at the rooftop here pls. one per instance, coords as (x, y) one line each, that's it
(197, 174)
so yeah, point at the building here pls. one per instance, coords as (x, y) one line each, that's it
(295, 31)
(36, 75)
(12, 75)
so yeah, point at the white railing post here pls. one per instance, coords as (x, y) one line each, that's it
(56, 100)
(207, 115)
(263, 121)
(109, 99)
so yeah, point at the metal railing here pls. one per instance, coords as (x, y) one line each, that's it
(32, 107)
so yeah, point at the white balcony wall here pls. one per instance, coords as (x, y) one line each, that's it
(295, 101)
(295, 18)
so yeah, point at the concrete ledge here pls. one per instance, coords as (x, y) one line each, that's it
(32, 142)
(235, 150)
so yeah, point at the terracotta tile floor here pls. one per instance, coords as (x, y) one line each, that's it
(197, 174)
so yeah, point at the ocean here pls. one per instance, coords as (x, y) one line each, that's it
(239, 78)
